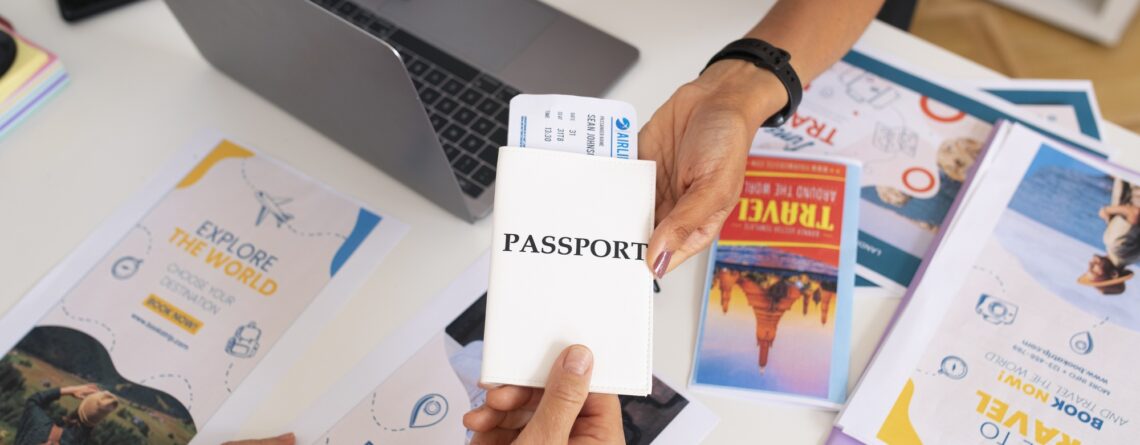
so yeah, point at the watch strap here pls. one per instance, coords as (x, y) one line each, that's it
(768, 57)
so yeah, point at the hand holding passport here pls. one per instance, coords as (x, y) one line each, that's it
(574, 212)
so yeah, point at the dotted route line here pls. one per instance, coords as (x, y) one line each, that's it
(149, 237)
(189, 387)
(287, 224)
(377, 420)
(114, 340)
(227, 382)
(993, 275)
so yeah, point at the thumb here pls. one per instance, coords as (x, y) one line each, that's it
(284, 439)
(566, 390)
(691, 224)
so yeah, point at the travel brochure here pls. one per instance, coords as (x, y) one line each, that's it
(1022, 326)
(916, 137)
(776, 315)
(415, 386)
(220, 272)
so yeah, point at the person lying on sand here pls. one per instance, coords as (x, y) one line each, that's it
(1107, 273)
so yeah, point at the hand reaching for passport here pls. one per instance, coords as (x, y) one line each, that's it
(700, 139)
(564, 413)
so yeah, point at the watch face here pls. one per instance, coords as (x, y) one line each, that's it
(953, 367)
(7, 51)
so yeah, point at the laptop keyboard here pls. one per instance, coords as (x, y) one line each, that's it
(467, 107)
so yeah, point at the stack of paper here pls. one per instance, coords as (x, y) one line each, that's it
(1023, 323)
(34, 76)
(1015, 239)
(917, 136)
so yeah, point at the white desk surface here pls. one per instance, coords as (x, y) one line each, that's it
(140, 90)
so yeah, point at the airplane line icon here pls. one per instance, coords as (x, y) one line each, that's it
(272, 206)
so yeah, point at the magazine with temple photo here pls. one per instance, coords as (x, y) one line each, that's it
(776, 314)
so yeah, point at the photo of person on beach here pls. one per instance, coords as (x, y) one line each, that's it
(1075, 230)
(1108, 273)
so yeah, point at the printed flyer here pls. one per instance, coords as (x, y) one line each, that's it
(1024, 328)
(917, 140)
(146, 342)
(776, 317)
(1067, 103)
(411, 392)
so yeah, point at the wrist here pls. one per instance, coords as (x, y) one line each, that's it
(756, 92)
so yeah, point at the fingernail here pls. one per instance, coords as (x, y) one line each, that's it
(489, 386)
(577, 360)
(661, 264)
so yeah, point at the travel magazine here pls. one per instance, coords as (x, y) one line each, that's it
(776, 313)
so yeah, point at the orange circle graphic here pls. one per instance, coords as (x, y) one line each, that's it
(925, 172)
(925, 104)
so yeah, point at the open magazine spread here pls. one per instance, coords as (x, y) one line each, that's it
(1023, 327)
(916, 138)
(403, 393)
(776, 317)
(192, 293)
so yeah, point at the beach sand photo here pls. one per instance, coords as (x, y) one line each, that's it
(1076, 230)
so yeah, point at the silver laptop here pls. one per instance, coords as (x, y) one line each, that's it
(418, 88)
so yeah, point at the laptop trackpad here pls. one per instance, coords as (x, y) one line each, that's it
(487, 33)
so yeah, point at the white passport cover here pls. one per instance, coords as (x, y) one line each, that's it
(546, 296)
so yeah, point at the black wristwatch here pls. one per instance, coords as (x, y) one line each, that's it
(767, 57)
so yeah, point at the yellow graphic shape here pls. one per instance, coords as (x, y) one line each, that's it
(225, 149)
(172, 314)
(897, 429)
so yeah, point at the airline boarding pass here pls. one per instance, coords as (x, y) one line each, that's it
(590, 126)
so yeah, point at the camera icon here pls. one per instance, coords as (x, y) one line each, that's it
(995, 310)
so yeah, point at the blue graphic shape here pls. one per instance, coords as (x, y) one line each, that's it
(428, 411)
(622, 123)
(996, 310)
(1086, 120)
(365, 222)
(954, 367)
(245, 341)
(1081, 343)
(125, 267)
(273, 207)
